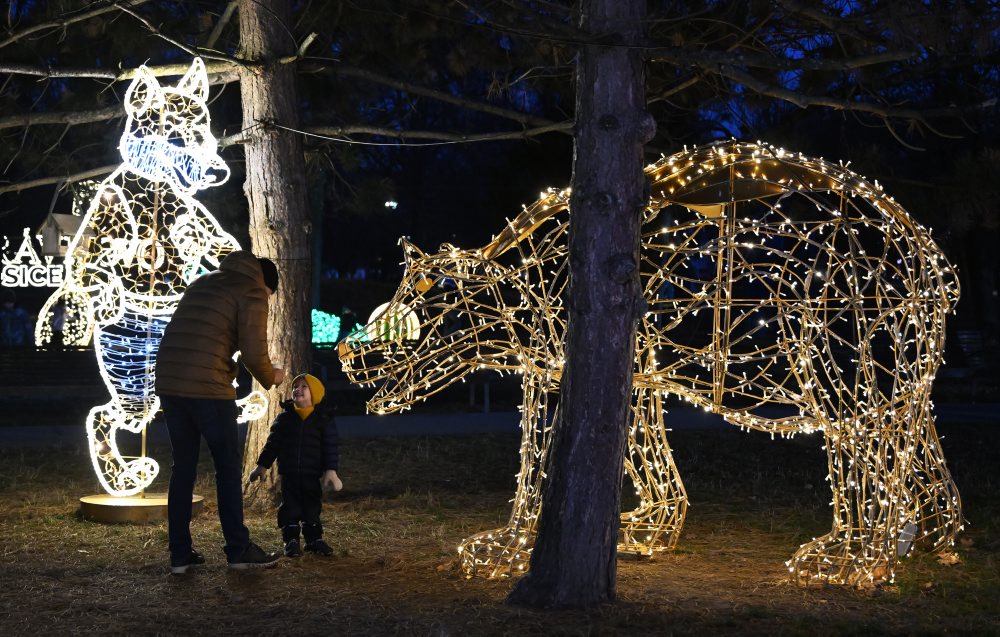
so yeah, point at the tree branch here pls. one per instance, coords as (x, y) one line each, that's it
(47, 181)
(663, 95)
(308, 40)
(224, 72)
(802, 100)
(339, 134)
(341, 68)
(64, 22)
(708, 59)
(71, 118)
(221, 69)
(224, 19)
(49, 72)
(835, 25)
(193, 51)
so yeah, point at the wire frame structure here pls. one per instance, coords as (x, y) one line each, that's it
(785, 293)
(143, 239)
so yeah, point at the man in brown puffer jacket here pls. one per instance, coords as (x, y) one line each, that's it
(221, 312)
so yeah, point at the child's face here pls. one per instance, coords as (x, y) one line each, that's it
(301, 395)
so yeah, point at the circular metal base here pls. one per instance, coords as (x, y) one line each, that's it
(136, 509)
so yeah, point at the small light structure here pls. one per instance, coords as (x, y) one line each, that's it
(392, 322)
(55, 235)
(56, 232)
(325, 327)
(786, 293)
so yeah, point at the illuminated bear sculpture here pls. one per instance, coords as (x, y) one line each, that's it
(787, 294)
(143, 239)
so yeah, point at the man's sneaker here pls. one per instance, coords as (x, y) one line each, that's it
(319, 547)
(179, 566)
(254, 557)
(292, 549)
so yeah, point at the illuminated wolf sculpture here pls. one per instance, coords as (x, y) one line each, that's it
(787, 294)
(143, 239)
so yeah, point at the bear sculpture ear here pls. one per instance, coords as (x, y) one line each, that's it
(143, 94)
(195, 81)
(410, 251)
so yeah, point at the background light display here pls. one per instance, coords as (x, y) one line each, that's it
(143, 239)
(785, 293)
(325, 327)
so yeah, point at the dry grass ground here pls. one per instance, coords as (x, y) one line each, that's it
(408, 501)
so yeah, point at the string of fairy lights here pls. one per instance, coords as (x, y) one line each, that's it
(786, 293)
(143, 239)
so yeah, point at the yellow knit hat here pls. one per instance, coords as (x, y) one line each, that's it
(315, 387)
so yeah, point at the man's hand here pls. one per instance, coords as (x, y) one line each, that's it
(256, 474)
(279, 375)
(330, 479)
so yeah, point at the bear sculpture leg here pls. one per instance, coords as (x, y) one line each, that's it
(938, 517)
(507, 551)
(869, 467)
(654, 525)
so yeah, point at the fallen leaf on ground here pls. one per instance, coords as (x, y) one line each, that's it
(949, 559)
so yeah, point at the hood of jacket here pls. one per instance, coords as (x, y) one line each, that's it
(245, 263)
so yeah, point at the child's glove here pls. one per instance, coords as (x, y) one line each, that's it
(257, 474)
(330, 479)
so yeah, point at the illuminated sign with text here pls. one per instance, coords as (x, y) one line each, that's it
(25, 269)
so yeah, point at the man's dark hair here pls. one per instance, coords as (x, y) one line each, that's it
(270, 273)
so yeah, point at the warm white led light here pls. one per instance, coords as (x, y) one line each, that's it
(785, 293)
(143, 239)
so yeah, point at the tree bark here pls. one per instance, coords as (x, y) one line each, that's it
(574, 559)
(276, 191)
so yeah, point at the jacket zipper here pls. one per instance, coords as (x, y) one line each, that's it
(302, 434)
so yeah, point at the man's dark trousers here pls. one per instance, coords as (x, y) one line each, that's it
(188, 420)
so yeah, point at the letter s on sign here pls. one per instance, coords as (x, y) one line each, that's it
(10, 278)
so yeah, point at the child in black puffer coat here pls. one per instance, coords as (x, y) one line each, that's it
(304, 441)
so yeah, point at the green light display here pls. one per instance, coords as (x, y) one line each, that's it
(325, 327)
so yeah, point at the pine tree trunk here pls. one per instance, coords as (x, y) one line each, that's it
(276, 191)
(574, 559)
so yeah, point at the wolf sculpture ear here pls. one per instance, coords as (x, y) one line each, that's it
(143, 94)
(195, 81)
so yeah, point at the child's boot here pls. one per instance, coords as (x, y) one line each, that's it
(314, 540)
(290, 534)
